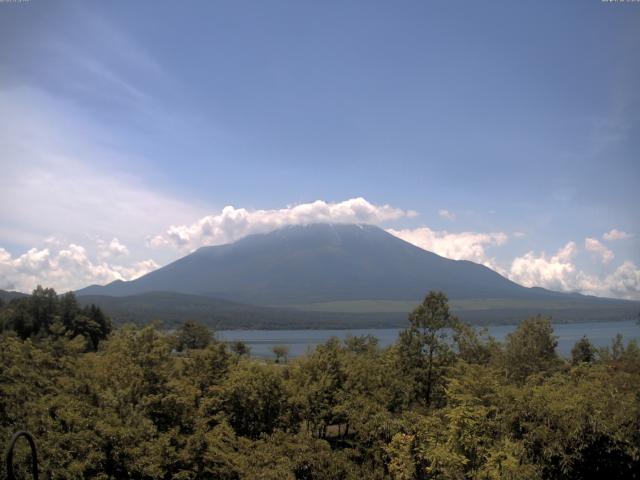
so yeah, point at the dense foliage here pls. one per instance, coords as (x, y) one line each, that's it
(44, 313)
(444, 402)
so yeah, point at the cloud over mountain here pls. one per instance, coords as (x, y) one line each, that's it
(559, 272)
(554, 272)
(457, 246)
(234, 223)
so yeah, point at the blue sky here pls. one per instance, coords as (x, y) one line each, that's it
(506, 133)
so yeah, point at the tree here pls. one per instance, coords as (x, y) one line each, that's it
(208, 367)
(133, 410)
(255, 400)
(425, 345)
(43, 307)
(90, 322)
(32, 316)
(473, 347)
(402, 465)
(361, 343)
(240, 348)
(617, 347)
(44, 313)
(192, 335)
(280, 351)
(530, 349)
(320, 377)
(583, 351)
(69, 308)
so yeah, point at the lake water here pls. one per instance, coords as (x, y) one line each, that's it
(300, 341)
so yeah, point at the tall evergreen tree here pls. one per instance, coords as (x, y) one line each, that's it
(426, 345)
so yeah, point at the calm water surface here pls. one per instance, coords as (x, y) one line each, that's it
(300, 341)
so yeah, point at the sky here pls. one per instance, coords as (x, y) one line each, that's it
(506, 133)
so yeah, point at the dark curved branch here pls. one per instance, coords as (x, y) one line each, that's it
(9, 454)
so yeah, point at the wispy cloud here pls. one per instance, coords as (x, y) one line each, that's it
(447, 215)
(59, 178)
(615, 234)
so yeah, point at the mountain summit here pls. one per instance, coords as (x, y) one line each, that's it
(321, 263)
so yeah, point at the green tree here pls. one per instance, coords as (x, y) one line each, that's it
(240, 348)
(426, 345)
(255, 400)
(209, 367)
(583, 351)
(361, 343)
(43, 307)
(401, 463)
(89, 322)
(133, 410)
(320, 379)
(530, 348)
(192, 335)
(474, 347)
(281, 352)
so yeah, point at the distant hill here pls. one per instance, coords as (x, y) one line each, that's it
(322, 263)
(171, 309)
(7, 296)
(325, 275)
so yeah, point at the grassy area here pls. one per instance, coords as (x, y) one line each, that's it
(359, 306)
(405, 306)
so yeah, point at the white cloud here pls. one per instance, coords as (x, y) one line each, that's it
(624, 282)
(596, 247)
(67, 268)
(556, 272)
(458, 246)
(616, 235)
(112, 249)
(519, 234)
(447, 215)
(234, 223)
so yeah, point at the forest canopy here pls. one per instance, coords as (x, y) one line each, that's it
(444, 402)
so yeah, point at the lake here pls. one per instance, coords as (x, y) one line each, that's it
(300, 341)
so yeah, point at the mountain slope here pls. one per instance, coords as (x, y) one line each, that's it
(322, 263)
(172, 309)
(6, 296)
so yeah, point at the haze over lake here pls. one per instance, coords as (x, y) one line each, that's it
(261, 342)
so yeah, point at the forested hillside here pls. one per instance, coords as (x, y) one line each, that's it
(444, 402)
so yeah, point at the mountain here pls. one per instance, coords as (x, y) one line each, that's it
(171, 309)
(320, 263)
(332, 275)
(6, 296)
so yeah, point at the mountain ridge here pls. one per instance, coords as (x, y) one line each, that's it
(321, 262)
